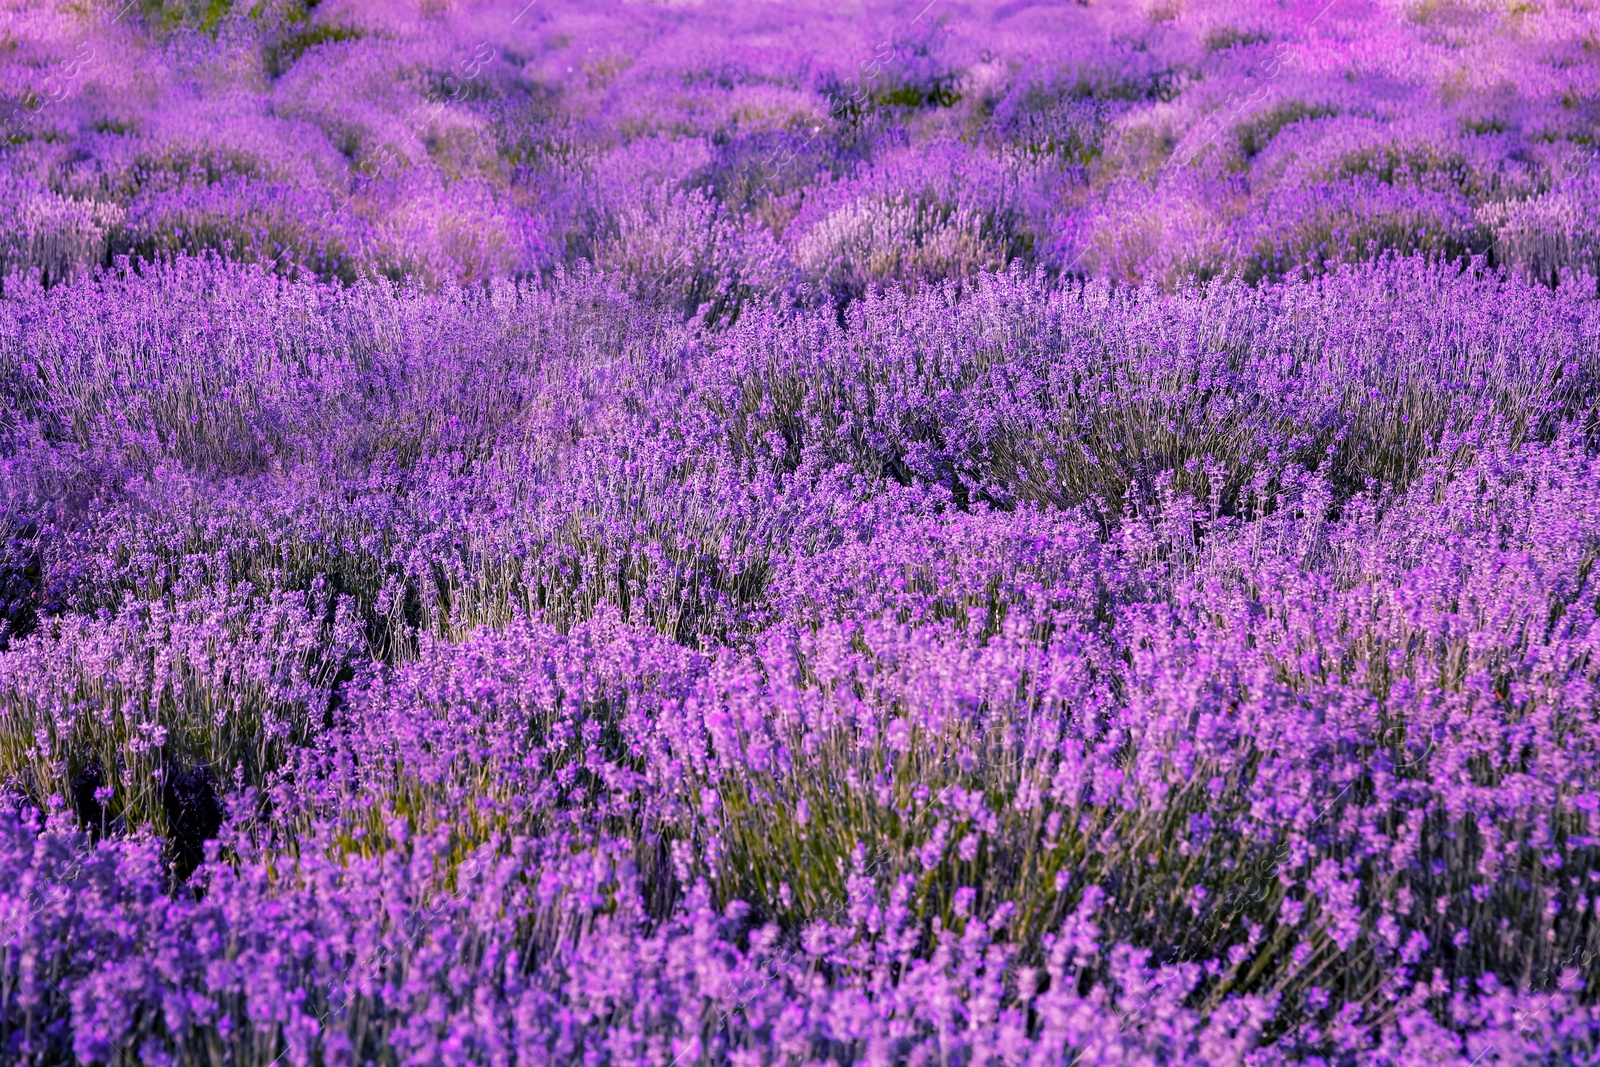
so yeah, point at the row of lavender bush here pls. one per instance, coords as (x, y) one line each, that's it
(1018, 674)
(719, 155)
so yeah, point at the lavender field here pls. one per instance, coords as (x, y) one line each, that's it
(696, 532)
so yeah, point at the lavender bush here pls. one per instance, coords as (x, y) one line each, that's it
(977, 534)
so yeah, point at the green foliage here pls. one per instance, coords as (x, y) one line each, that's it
(281, 52)
(1254, 134)
(1221, 38)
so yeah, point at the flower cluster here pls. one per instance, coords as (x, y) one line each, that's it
(979, 534)
(1004, 673)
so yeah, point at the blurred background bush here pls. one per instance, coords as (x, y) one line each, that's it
(719, 155)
